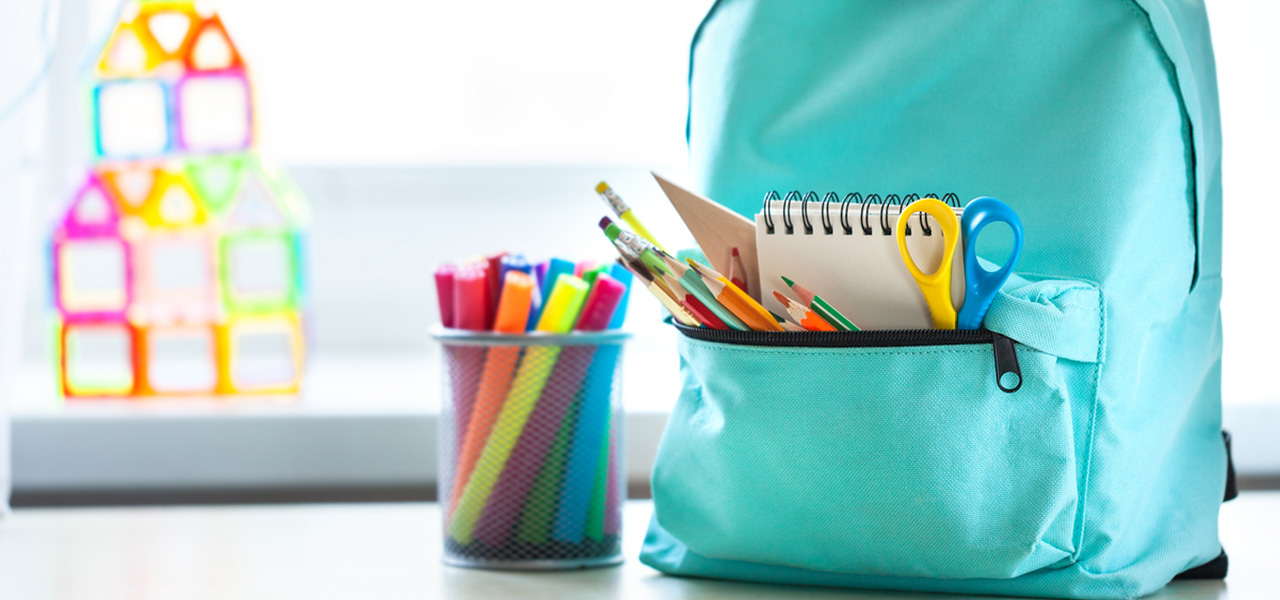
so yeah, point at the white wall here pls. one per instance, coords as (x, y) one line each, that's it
(1247, 50)
(467, 90)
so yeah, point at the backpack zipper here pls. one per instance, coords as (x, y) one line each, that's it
(1002, 348)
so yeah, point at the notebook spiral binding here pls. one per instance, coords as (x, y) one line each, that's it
(864, 211)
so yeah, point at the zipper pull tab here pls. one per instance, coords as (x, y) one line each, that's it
(1006, 363)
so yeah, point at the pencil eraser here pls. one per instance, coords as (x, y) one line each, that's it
(601, 187)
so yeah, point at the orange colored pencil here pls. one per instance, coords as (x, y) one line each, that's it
(736, 300)
(806, 317)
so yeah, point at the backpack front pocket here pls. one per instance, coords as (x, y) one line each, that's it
(905, 461)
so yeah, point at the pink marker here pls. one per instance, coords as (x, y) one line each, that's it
(471, 311)
(471, 298)
(444, 292)
(602, 301)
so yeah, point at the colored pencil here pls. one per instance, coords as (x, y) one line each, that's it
(820, 306)
(806, 317)
(624, 212)
(680, 313)
(692, 283)
(691, 302)
(736, 300)
(737, 271)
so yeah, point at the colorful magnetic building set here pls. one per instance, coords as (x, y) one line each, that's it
(177, 266)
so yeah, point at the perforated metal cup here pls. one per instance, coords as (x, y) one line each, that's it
(531, 461)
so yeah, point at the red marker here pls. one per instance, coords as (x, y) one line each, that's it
(471, 298)
(444, 292)
(494, 278)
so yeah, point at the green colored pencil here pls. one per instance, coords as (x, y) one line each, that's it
(820, 306)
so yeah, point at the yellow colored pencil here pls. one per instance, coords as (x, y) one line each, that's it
(663, 295)
(736, 300)
(624, 212)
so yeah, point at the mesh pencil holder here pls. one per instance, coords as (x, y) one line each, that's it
(531, 453)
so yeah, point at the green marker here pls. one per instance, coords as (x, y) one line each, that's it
(590, 276)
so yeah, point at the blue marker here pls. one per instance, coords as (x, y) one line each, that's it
(624, 277)
(555, 268)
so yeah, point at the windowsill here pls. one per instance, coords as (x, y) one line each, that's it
(364, 421)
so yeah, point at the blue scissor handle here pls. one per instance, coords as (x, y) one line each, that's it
(981, 285)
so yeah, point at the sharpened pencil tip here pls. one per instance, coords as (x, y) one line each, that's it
(788, 281)
(735, 251)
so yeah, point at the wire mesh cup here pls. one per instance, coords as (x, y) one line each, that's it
(531, 464)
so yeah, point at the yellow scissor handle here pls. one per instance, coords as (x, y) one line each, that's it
(936, 286)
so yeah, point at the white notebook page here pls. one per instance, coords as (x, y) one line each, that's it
(862, 276)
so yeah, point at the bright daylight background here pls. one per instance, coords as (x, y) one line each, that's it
(429, 131)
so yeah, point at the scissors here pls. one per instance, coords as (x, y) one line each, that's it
(936, 286)
(981, 285)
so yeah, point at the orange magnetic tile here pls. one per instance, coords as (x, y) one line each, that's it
(212, 49)
(167, 29)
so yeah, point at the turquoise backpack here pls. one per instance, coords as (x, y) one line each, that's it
(900, 463)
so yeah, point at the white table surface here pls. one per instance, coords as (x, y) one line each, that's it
(393, 551)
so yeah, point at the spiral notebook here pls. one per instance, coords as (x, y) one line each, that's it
(844, 250)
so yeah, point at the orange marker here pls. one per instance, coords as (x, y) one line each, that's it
(807, 318)
(737, 271)
(737, 301)
(495, 380)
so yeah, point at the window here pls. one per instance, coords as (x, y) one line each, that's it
(410, 125)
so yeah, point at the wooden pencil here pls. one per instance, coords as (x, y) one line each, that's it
(736, 300)
(807, 318)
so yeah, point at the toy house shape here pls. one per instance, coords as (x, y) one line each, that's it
(170, 80)
(177, 266)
